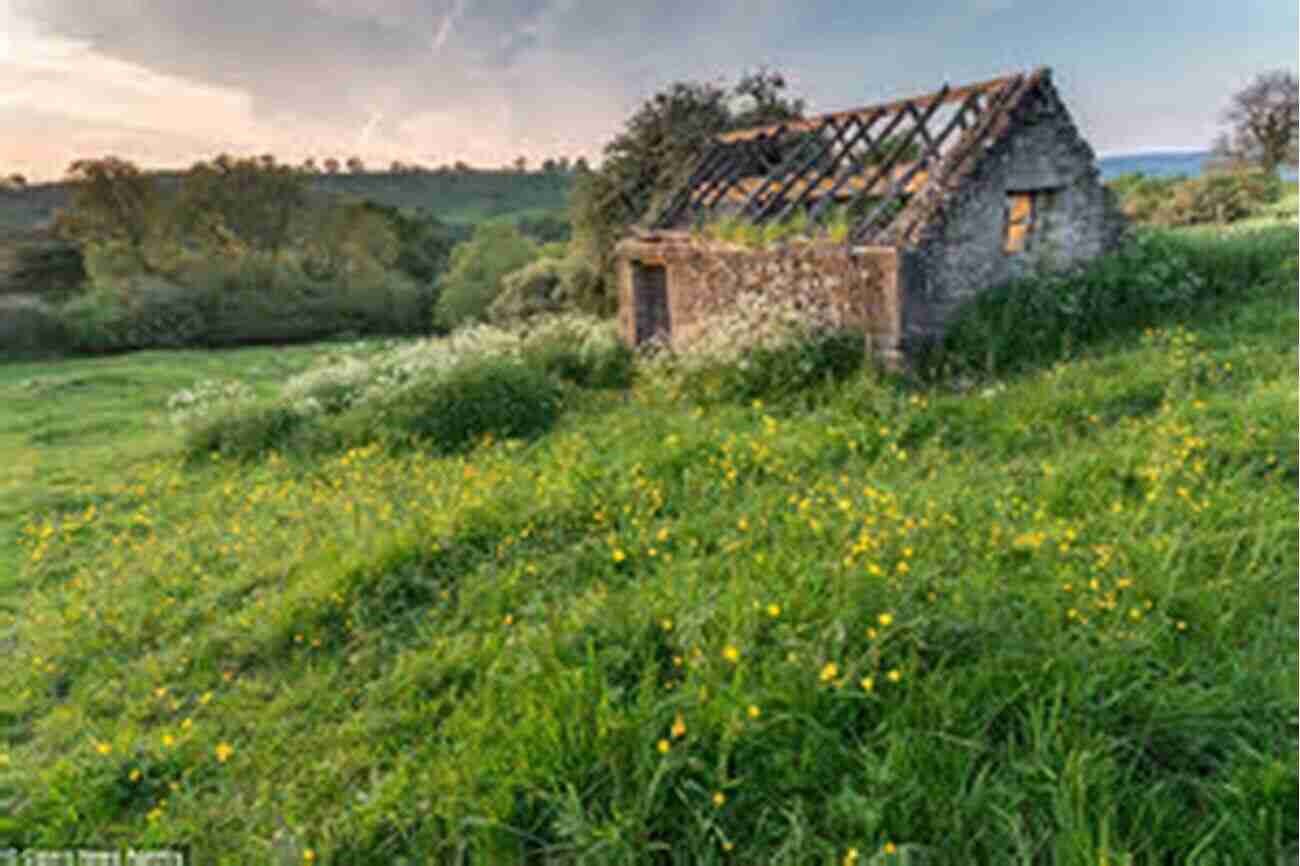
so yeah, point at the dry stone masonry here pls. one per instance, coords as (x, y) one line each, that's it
(955, 191)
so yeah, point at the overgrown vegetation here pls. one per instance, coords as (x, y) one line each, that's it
(1217, 197)
(1049, 621)
(1160, 274)
(832, 225)
(440, 394)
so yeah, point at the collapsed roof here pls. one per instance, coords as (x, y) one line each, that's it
(893, 163)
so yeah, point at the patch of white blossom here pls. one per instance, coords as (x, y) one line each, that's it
(753, 321)
(206, 397)
(352, 375)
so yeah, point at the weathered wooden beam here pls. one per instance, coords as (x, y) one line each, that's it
(730, 179)
(971, 141)
(874, 149)
(887, 166)
(781, 179)
(946, 94)
(677, 204)
(805, 163)
(993, 105)
(737, 157)
(927, 142)
(863, 130)
(932, 155)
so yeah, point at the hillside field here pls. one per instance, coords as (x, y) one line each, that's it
(1046, 617)
(459, 197)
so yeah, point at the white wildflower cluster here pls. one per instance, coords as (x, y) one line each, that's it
(330, 387)
(204, 397)
(344, 380)
(586, 335)
(438, 356)
(754, 320)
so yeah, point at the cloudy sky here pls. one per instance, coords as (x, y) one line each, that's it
(167, 82)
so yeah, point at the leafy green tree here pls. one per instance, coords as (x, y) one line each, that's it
(546, 227)
(355, 165)
(245, 202)
(657, 148)
(344, 238)
(113, 204)
(424, 242)
(473, 280)
(52, 269)
(331, 165)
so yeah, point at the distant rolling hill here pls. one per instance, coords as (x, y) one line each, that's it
(1163, 163)
(458, 197)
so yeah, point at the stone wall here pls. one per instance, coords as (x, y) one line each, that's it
(1042, 151)
(953, 244)
(859, 283)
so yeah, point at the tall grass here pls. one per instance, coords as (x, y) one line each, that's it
(1051, 622)
(1159, 276)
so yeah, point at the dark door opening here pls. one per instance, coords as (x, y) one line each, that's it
(650, 300)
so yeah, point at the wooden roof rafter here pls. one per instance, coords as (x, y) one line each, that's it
(769, 172)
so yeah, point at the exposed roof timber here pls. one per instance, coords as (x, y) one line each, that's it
(922, 101)
(901, 174)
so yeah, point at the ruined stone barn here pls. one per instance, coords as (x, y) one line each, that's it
(937, 198)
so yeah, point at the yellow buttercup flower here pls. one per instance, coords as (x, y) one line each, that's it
(679, 727)
(224, 751)
(829, 671)
(731, 654)
(664, 746)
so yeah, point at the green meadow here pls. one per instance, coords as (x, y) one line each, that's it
(1041, 612)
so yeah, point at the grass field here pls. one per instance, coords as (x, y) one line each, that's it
(1051, 620)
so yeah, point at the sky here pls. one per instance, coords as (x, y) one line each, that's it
(166, 83)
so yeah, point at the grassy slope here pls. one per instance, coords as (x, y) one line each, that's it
(1083, 583)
